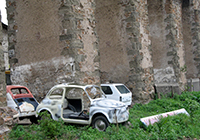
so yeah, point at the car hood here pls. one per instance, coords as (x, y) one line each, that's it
(107, 103)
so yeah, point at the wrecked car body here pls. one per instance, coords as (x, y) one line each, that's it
(83, 104)
(21, 99)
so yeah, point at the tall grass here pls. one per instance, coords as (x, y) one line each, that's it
(173, 127)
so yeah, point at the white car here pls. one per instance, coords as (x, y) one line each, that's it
(118, 92)
(83, 104)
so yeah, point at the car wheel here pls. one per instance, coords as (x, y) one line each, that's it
(44, 115)
(33, 119)
(100, 123)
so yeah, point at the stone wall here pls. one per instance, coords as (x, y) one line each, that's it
(2, 70)
(139, 50)
(125, 46)
(168, 37)
(5, 45)
(140, 43)
(111, 31)
(195, 28)
(52, 42)
(187, 21)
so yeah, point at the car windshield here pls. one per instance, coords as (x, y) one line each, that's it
(94, 92)
(122, 89)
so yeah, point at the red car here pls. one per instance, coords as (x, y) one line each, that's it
(21, 99)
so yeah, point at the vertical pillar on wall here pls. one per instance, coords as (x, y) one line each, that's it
(180, 66)
(2, 70)
(80, 39)
(12, 29)
(195, 10)
(139, 51)
(174, 39)
(188, 23)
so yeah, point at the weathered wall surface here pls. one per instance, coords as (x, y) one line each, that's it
(79, 25)
(166, 30)
(5, 45)
(52, 42)
(136, 42)
(139, 51)
(187, 37)
(195, 29)
(156, 12)
(112, 41)
(2, 70)
(125, 46)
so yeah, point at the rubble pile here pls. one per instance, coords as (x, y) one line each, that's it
(8, 117)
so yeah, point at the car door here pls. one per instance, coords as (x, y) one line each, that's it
(56, 97)
(73, 110)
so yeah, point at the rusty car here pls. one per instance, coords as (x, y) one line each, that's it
(83, 104)
(22, 100)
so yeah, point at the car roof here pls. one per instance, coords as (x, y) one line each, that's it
(73, 85)
(14, 86)
(112, 84)
(9, 87)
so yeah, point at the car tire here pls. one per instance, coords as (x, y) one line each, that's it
(100, 123)
(45, 116)
(33, 120)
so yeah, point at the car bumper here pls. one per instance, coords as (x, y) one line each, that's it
(26, 114)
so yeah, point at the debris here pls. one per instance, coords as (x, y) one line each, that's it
(152, 119)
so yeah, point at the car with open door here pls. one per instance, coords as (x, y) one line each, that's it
(83, 104)
(22, 100)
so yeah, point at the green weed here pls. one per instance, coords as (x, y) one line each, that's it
(173, 127)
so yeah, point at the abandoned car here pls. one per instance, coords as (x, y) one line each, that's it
(117, 91)
(21, 99)
(83, 104)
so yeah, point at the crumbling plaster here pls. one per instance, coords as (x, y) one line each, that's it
(112, 40)
(135, 42)
(52, 42)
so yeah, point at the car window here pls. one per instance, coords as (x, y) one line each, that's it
(19, 91)
(56, 94)
(122, 89)
(74, 93)
(94, 92)
(107, 90)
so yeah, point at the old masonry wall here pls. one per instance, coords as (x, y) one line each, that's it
(141, 43)
(2, 70)
(52, 42)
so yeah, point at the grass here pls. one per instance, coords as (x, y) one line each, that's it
(173, 127)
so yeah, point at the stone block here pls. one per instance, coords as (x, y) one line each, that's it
(4, 129)
(167, 88)
(65, 37)
(193, 84)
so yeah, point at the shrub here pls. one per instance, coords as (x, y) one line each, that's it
(50, 127)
